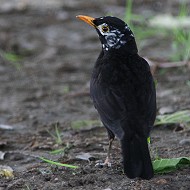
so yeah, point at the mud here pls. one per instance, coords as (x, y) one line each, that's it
(50, 84)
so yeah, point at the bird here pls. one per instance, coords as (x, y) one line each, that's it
(123, 92)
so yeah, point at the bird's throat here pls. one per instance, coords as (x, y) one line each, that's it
(120, 47)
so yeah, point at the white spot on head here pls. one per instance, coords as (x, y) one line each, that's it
(127, 28)
(106, 49)
(101, 18)
(123, 42)
(103, 46)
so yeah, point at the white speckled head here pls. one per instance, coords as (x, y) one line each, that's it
(113, 32)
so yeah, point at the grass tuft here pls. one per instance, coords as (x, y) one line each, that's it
(180, 36)
(56, 135)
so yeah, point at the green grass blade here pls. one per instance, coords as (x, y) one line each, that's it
(52, 135)
(169, 165)
(58, 163)
(128, 12)
(58, 135)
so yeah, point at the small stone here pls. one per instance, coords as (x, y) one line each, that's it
(184, 142)
(161, 181)
(47, 177)
(99, 165)
(56, 179)
(165, 110)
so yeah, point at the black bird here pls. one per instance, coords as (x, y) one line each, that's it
(123, 92)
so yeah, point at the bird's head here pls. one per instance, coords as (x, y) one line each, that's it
(113, 32)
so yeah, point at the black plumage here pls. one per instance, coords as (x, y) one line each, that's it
(123, 92)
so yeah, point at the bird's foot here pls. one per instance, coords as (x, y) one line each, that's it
(105, 163)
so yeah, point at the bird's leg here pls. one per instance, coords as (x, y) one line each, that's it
(107, 160)
(111, 137)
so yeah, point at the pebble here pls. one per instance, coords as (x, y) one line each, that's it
(161, 181)
(56, 179)
(165, 110)
(184, 142)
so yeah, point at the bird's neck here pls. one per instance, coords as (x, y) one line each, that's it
(128, 49)
(115, 56)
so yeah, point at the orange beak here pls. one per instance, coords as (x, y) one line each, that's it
(87, 19)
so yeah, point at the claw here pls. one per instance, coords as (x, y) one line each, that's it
(101, 164)
(107, 162)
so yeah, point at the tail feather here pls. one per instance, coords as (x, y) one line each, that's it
(136, 158)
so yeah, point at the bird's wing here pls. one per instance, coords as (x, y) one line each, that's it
(146, 96)
(111, 109)
(123, 109)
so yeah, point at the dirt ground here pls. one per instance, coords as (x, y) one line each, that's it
(50, 85)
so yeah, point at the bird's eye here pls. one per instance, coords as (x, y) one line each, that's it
(105, 28)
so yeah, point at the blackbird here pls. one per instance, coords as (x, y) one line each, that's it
(123, 92)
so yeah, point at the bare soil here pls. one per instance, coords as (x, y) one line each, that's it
(51, 84)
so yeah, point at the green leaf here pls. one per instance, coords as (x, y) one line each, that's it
(58, 163)
(177, 117)
(12, 57)
(148, 140)
(169, 165)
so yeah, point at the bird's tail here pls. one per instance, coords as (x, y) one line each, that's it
(136, 158)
